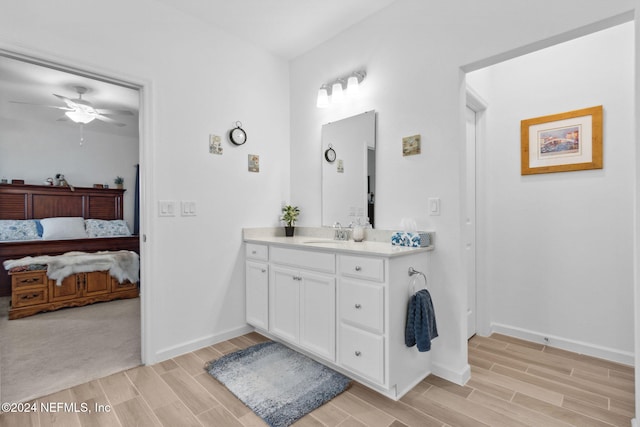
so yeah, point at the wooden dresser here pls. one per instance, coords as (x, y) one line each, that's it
(32, 292)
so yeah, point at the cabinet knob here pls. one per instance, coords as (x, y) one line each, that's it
(254, 252)
(264, 270)
(358, 353)
(358, 268)
(358, 306)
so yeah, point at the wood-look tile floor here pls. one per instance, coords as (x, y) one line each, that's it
(513, 383)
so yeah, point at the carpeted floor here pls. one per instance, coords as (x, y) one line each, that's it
(52, 351)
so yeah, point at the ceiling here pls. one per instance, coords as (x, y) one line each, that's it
(287, 28)
(26, 82)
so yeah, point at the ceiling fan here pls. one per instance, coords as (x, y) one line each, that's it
(82, 111)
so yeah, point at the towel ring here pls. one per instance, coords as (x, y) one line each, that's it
(412, 283)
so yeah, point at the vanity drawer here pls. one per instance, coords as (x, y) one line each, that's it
(362, 304)
(362, 353)
(362, 267)
(310, 260)
(255, 251)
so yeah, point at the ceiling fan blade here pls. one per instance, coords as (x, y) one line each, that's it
(42, 105)
(109, 120)
(71, 104)
(114, 112)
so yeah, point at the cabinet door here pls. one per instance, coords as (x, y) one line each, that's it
(70, 288)
(96, 283)
(257, 294)
(284, 303)
(317, 314)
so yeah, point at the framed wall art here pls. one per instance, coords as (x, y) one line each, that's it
(562, 142)
(411, 145)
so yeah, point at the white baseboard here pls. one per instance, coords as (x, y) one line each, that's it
(634, 422)
(579, 347)
(459, 377)
(186, 347)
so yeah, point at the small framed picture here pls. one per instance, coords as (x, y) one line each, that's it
(254, 163)
(215, 145)
(411, 145)
(562, 142)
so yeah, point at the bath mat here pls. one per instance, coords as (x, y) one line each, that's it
(277, 383)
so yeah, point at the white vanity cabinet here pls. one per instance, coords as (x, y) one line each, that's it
(257, 285)
(302, 299)
(302, 309)
(361, 316)
(346, 308)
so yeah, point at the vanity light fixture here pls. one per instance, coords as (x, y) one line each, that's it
(334, 92)
(323, 96)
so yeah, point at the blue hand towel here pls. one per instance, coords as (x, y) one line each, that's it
(421, 321)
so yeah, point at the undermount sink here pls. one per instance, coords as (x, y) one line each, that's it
(325, 242)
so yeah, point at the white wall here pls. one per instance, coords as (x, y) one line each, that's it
(199, 81)
(558, 247)
(35, 151)
(413, 52)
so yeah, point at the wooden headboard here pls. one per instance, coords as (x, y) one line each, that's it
(42, 201)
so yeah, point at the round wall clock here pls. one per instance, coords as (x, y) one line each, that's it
(237, 135)
(330, 154)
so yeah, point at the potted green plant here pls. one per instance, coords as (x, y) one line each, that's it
(119, 181)
(289, 216)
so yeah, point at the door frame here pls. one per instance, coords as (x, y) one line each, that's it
(145, 156)
(476, 103)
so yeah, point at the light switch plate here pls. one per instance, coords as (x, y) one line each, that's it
(167, 208)
(434, 206)
(188, 208)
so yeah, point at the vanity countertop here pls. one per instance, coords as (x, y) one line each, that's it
(318, 239)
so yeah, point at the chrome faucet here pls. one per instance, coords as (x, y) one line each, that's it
(339, 233)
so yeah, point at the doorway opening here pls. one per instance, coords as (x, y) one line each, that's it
(541, 268)
(39, 141)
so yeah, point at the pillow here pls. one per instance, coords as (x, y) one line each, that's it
(104, 228)
(18, 229)
(63, 228)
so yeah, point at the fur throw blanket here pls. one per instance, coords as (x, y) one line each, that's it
(123, 265)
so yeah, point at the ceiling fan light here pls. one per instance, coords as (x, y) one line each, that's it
(80, 116)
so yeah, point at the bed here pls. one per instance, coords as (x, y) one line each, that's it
(26, 202)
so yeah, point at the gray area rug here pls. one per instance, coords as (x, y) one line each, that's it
(277, 383)
(48, 352)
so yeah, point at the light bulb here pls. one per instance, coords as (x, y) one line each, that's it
(323, 98)
(336, 93)
(353, 86)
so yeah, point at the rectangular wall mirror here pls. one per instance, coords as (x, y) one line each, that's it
(348, 180)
